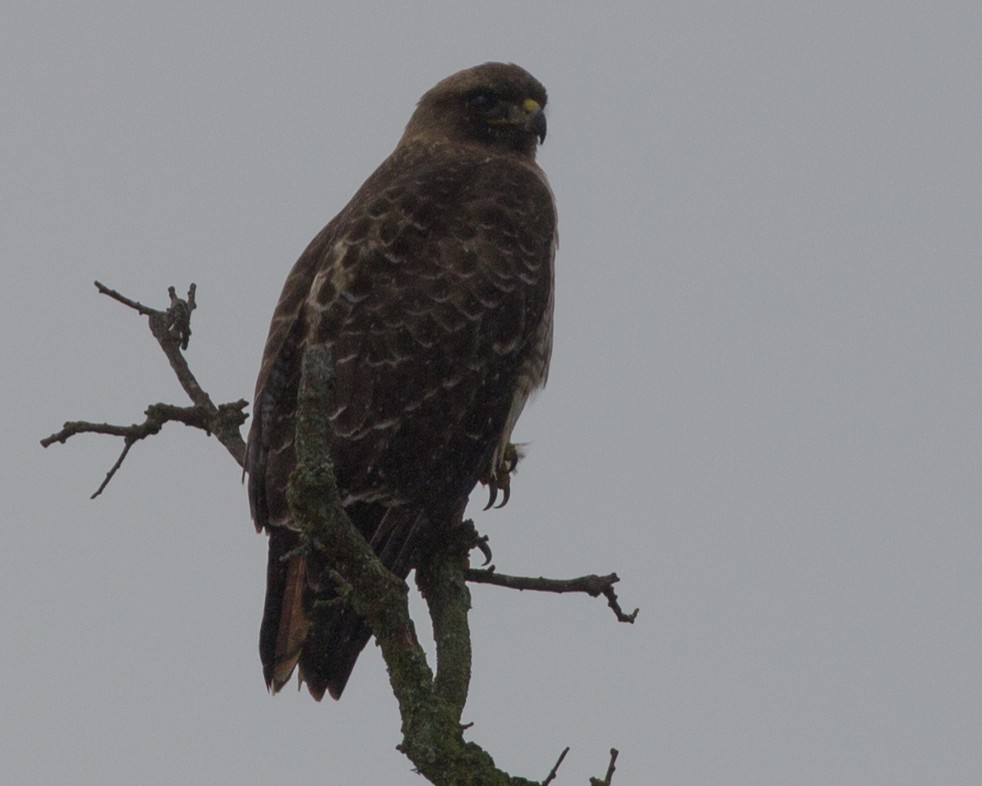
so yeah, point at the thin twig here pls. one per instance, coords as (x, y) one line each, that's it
(127, 444)
(555, 768)
(610, 771)
(136, 305)
(592, 585)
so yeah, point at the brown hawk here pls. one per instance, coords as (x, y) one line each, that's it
(432, 291)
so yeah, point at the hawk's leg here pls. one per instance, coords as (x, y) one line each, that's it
(499, 479)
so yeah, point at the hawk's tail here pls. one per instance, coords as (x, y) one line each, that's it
(324, 643)
(285, 626)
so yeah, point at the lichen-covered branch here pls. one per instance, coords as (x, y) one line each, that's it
(592, 585)
(440, 578)
(172, 329)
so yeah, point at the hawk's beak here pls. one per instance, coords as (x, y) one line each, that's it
(535, 118)
(529, 116)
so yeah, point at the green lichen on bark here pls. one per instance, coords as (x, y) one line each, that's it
(440, 577)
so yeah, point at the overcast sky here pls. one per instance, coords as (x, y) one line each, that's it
(764, 410)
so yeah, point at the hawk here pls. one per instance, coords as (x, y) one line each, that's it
(432, 290)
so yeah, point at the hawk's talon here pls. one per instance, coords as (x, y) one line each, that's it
(485, 549)
(493, 495)
(499, 479)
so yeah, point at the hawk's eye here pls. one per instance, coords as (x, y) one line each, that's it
(482, 99)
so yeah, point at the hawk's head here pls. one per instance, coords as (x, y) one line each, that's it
(498, 105)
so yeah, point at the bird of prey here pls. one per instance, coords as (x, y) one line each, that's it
(432, 290)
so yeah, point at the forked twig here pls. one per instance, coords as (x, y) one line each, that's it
(610, 771)
(172, 329)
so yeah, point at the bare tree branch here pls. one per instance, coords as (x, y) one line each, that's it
(555, 768)
(592, 585)
(610, 771)
(134, 304)
(226, 417)
(172, 329)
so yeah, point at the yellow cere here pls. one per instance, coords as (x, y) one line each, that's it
(530, 105)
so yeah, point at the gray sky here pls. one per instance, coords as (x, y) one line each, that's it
(764, 410)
